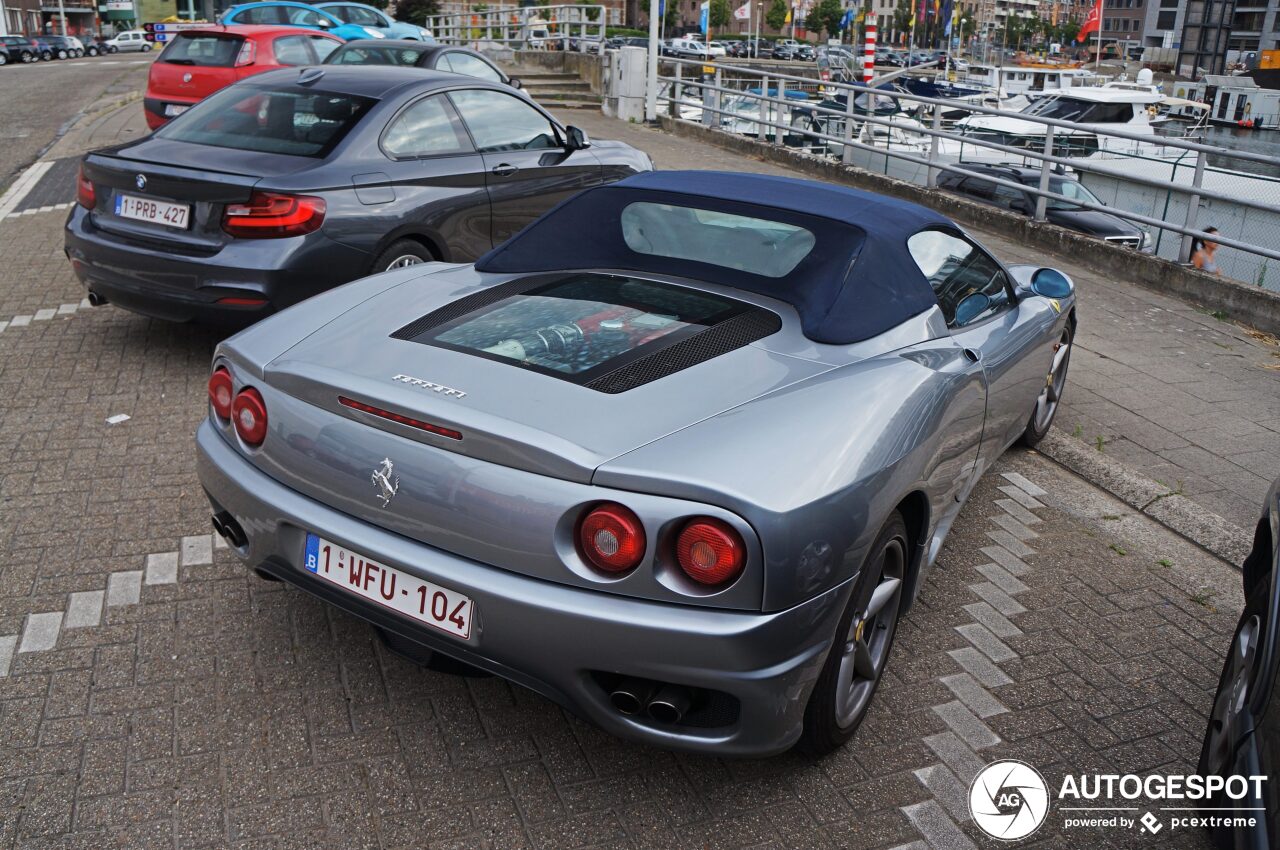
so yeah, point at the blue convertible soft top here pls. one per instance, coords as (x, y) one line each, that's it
(857, 281)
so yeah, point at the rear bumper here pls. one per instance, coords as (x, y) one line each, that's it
(767, 661)
(163, 284)
(154, 109)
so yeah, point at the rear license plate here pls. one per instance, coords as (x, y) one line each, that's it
(423, 601)
(155, 212)
(172, 110)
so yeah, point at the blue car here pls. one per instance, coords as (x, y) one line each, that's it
(283, 13)
(376, 19)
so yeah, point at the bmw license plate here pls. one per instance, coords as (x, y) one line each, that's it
(155, 212)
(444, 609)
(172, 110)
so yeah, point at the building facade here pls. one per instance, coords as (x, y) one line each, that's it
(1206, 31)
(20, 17)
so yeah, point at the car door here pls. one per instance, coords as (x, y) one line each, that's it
(437, 180)
(529, 167)
(1005, 336)
(469, 66)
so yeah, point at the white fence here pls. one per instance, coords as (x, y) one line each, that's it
(523, 27)
(1160, 183)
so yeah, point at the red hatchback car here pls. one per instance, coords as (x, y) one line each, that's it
(199, 62)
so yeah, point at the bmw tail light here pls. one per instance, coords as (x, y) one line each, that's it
(250, 416)
(85, 194)
(248, 52)
(611, 538)
(269, 215)
(710, 552)
(220, 392)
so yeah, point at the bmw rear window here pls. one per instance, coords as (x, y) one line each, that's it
(205, 50)
(291, 121)
(375, 56)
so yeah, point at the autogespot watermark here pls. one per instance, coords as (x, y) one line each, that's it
(1010, 800)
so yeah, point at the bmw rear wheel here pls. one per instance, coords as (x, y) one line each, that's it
(4, 58)
(1055, 383)
(402, 254)
(864, 638)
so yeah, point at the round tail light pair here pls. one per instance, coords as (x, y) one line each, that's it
(246, 410)
(709, 550)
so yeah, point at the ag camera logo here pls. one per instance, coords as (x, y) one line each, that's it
(1009, 800)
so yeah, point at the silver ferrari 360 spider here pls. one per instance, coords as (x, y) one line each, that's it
(676, 455)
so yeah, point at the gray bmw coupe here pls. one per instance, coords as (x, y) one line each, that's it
(676, 456)
(294, 181)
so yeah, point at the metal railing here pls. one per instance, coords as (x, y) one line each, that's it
(842, 131)
(526, 27)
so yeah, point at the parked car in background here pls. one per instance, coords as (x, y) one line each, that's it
(371, 18)
(132, 41)
(1063, 213)
(679, 455)
(288, 14)
(1243, 734)
(198, 63)
(294, 181)
(18, 48)
(61, 46)
(98, 46)
(586, 44)
(692, 48)
(436, 57)
(635, 41)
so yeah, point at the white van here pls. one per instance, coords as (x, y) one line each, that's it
(133, 40)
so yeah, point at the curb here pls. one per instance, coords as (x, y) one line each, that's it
(1166, 506)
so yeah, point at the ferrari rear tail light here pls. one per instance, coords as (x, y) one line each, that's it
(248, 52)
(270, 215)
(221, 392)
(710, 551)
(86, 196)
(249, 413)
(611, 538)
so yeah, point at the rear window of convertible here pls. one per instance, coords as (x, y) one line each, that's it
(295, 122)
(761, 246)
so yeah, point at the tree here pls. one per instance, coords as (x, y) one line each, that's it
(902, 18)
(416, 11)
(827, 16)
(592, 14)
(776, 17)
(968, 24)
(671, 14)
(718, 16)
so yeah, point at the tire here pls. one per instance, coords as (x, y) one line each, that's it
(402, 254)
(92, 51)
(146, 48)
(79, 53)
(1047, 403)
(4, 58)
(1235, 685)
(62, 54)
(113, 49)
(844, 690)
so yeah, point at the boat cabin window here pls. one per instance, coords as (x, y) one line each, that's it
(1083, 111)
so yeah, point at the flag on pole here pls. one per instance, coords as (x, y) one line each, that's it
(948, 13)
(788, 20)
(704, 15)
(743, 12)
(1091, 22)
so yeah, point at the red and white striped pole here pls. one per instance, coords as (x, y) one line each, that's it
(869, 52)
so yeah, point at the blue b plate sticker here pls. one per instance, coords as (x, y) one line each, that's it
(312, 556)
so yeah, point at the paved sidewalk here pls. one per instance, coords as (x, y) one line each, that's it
(1185, 398)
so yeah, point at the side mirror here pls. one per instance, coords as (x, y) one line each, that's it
(577, 139)
(971, 307)
(515, 83)
(1051, 283)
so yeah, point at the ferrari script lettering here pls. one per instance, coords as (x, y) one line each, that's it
(429, 385)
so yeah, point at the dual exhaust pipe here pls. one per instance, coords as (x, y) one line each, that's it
(229, 530)
(666, 704)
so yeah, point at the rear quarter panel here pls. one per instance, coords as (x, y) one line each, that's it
(817, 467)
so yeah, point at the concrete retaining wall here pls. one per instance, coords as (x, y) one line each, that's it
(589, 67)
(1250, 305)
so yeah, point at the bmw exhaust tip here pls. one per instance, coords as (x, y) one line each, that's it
(96, 300)
(631, 696)
(670, 704)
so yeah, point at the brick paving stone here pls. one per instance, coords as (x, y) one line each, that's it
(990, 645)
(980, 667)
(946, 789)
(997, 623)
(162, 568)
(41, 632)
(1001, 578)
(967, 726)
(974, 695)
(939, 831)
